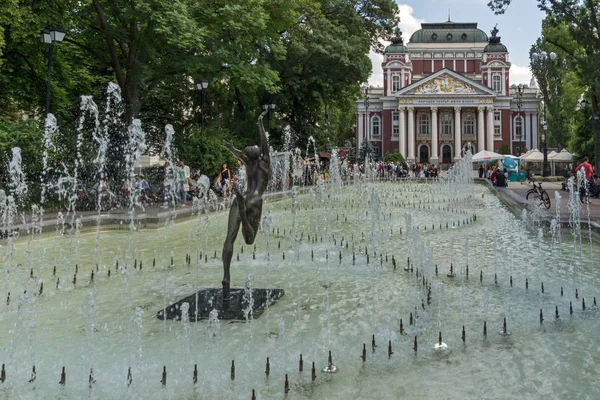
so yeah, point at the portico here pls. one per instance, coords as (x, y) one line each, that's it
(445, 109)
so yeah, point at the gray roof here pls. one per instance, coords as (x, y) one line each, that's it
(449, 32)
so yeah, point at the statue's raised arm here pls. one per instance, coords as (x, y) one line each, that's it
(238, 153)
(264, 139)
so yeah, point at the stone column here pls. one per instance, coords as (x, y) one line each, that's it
(389, 82)
(480, 129)
(402, 137)
(457, 134)
(411, 134)
(527, 129)
(534, 132)
(434, 136)
(490, 129)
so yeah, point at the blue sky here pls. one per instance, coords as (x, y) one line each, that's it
(519, 27)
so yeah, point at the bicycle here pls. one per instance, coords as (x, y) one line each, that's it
(538, 195)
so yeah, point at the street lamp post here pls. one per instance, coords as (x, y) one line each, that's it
(365, 88)
(545, 151)
(544, 59)
(269, 106)
(520, 89)
(201, 86)
(49, 36)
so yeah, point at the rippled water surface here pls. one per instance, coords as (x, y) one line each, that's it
(110, 324)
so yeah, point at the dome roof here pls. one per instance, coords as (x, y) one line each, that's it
(495, 46)
(397, 45)
(449, 32)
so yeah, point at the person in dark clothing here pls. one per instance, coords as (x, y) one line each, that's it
(481, 171)
(500, 180)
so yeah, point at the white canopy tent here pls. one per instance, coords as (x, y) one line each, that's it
(522, 157)
(534, 156)
(486, 155)
(563, 157)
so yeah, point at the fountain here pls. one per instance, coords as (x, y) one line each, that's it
(100, 338)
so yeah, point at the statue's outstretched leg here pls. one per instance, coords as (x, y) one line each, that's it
(233, 227)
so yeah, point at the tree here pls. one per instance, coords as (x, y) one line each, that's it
(326, 58)
(504, 149)
(312, 53)
(366, 151)
(394, 157)
(579, 24)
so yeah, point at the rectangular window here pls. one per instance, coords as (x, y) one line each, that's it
(395, 83)
(395, 123)
(469, 124)
(496, 85)
(497, 117)
(497, 131)
(446, 124)
(423, 120)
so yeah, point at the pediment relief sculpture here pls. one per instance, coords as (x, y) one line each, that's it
(443, 85)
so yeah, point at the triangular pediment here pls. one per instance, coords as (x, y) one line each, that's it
(446, 82)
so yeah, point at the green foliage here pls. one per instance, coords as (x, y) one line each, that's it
(365, 151)
(504, 149)
(571, 28)
(204, 151)
(394, 157)
(312, 53)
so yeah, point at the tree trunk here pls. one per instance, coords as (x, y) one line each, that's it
(596, 131)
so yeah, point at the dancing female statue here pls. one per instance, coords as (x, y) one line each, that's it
(246, 208)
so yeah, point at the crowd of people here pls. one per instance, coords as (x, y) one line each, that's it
(392, 169)
(499, 178)
(179, 184)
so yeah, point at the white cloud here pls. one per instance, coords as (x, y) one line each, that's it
(519, 74)
(408, 24)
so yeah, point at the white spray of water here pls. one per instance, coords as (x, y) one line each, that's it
(17, 181)
(50, 128)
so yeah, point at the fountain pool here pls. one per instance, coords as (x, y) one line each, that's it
(109, 325)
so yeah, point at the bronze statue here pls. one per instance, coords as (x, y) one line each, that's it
(246, 208)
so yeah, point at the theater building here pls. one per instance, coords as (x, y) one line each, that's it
(446, 90)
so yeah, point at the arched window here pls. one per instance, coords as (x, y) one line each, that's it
(395, 83)
(423, 121)
(519, 128)
(496, 84)
(375, 126)
(468, 124)
(446, 124)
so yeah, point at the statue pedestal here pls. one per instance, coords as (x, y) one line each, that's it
(208, 299)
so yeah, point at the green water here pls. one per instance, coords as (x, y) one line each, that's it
(328, 305)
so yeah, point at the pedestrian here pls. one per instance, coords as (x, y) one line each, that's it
(587, 169)
(182, 176)
(501, 179)
(480, 171)
(225, 176)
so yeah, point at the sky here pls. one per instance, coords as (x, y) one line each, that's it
(519, 27)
